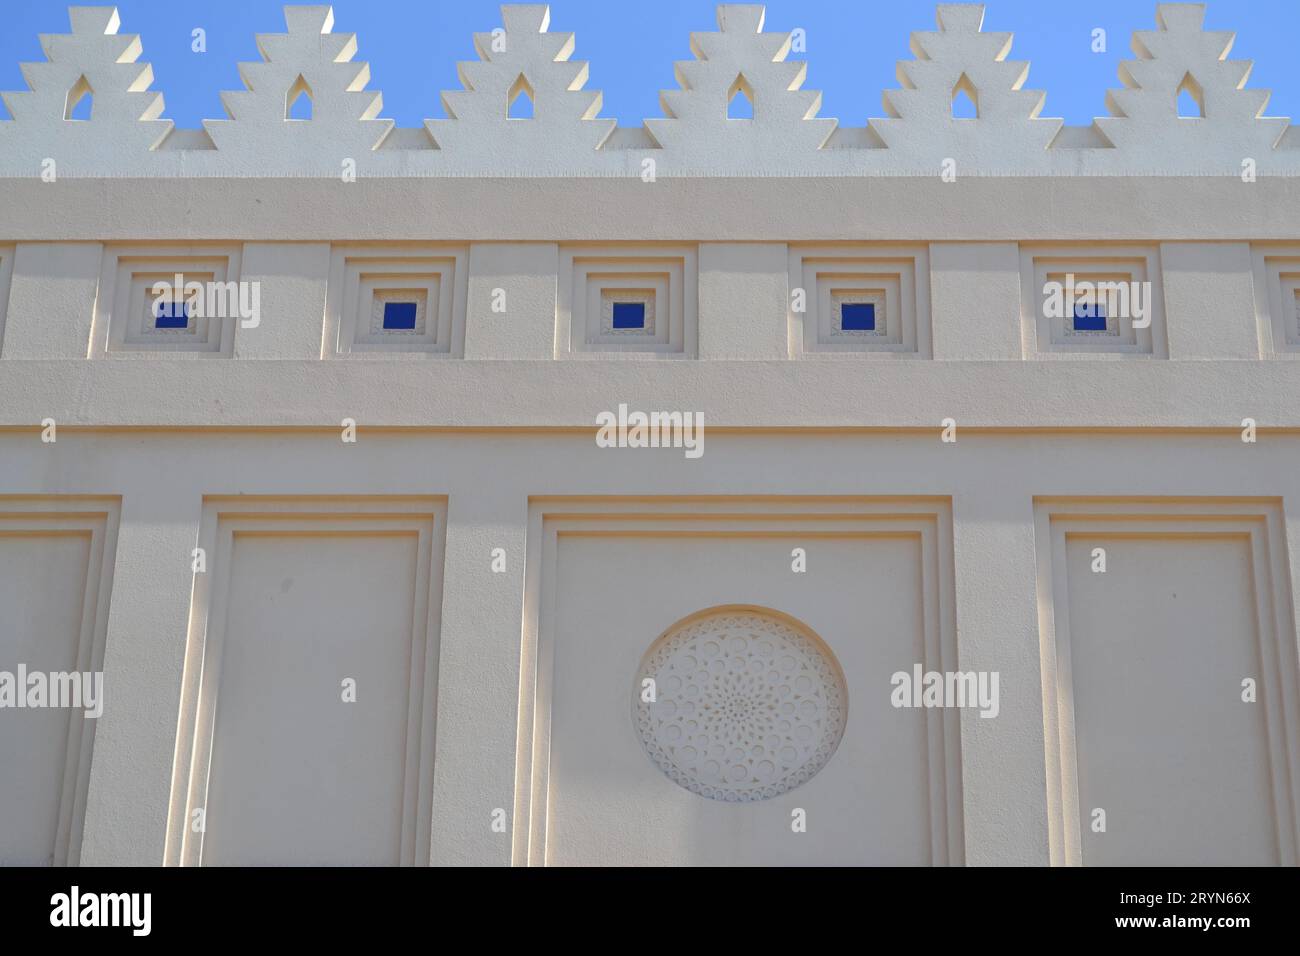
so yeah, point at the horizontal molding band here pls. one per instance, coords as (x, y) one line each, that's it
(1126, 394)
(895, 209)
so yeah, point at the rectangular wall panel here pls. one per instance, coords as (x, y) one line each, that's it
(297, 774)
(1159, 647)
(1165, 758)
(311, 712)
(609, 802)
(54, 585)
(612, 782)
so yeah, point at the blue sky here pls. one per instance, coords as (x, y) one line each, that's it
(413, 45)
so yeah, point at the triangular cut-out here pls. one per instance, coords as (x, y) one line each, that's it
(81, 101)
(1191, 99)
(965, 99)
(740, 100)
(519, 101)
(298, 103)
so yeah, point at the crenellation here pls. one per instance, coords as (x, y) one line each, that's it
(696, 131)
(313, 60)
(959, 56)
(525, 59)
(93, 60)
(1142, 133)
(1181, 55)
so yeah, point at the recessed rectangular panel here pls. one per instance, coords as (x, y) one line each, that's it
(396, 301)
(861, 300)
(306, 733)
(299, 775)
(1277, 297)
(42, 590)
(1085, 301)
(134, 279)
(600, 289)
(1159, 647)
(610, 802)
(6, 273)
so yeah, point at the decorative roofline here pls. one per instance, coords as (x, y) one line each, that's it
(1143, 134)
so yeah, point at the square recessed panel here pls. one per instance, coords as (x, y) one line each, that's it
(385, 297)
(885, 293)
(399, 311)
(1091, 302)
(860, 301)
(6, 272)
(626, 302)
(1277, 299)
(1091, 318)
(1290, 317)
(860, 313)
(628, 312)
(167, 318)
(648, 289)
(182, 301)
(394, 301)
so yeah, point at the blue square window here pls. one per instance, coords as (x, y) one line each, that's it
(169, 314)
(1089, 317)
(629, 315)
(399, 316)
(858, 317)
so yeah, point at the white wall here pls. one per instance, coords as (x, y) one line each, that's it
(492, 579)
(1006, 806)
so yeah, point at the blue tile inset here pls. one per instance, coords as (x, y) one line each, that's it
(399, 316)
(858, 316)
(1089, 318)
(629, 315)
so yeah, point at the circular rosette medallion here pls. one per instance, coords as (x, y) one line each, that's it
(748, 704)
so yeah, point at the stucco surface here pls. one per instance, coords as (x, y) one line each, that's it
(446, 495)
